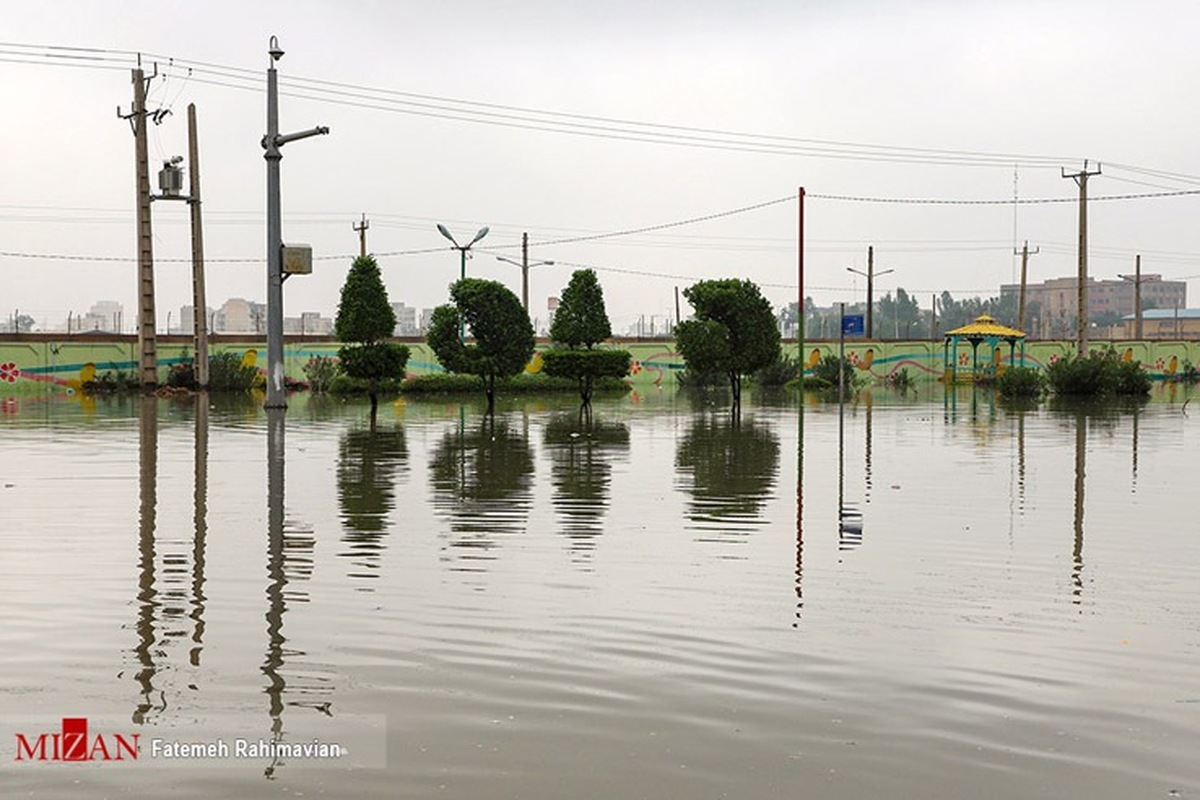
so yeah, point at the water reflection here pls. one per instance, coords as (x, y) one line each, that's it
(290, 549)
(369, 463)
(850, 518)
(728, 465)
(1081, 421)
(581, 453)
(171, 576)
(481, 475)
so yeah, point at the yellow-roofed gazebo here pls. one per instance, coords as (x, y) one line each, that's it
(983, 329)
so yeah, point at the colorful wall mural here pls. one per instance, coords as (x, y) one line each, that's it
(37, 362)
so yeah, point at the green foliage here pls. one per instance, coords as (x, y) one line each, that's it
(899, 380)
(227, 373)
(182, 375)
(734, 330)
(581, 319)
(113, 382)
(1021, 382)
(585, 367)
(825, 374)
(376, 361)
(779, 372)
(1101, 372)
(320, 371)
(1188, 372)
(503, 336)
(450, 383)
(364, 314)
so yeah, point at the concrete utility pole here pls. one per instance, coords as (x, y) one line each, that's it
(361, 228)
(147, 340)
(199, 296)
(870, 276)
(1081, 178)
(524, 265)
(1137, 296)
(1025, 254)
(271, 143)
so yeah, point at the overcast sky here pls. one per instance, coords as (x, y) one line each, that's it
(1027, 88)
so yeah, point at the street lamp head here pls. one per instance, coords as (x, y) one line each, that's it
(276, 52)
(442, 230)
(482, 233)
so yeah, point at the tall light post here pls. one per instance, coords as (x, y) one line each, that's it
(1137, 296)
(525, 265)
(271, 143)
(462, 273)
(870, 276)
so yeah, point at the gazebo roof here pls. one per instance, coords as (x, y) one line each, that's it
(985, 326)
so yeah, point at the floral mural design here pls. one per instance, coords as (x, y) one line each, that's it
(9, 372)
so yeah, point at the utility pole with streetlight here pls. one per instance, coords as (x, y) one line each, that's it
(525, 266)
(1081, 333)
(462, 273)
(271, 143)
(870, 276)
(1137, 296)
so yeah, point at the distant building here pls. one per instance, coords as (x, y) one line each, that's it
(104, 315)
(309, 323)
(426, 318)
(237, 315)
(406, 320)
(1058, 299)
(1165, 323)
(187, 321)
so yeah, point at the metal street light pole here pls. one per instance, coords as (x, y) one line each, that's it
(462, 273)
(525, 265)
(271, 143)
(870, 276)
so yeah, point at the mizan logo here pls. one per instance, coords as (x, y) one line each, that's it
(73, 743)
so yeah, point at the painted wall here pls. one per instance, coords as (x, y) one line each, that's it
(35, 362)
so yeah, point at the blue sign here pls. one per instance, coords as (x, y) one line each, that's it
(852, 325)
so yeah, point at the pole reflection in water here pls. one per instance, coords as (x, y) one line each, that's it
(482, 480)
(799, 508)
(368, 464)
(1080, 469)
(289, 559)
(171, 573)
(581, 461)
(1136, 413)
(147, 593)
(850, 519)
(200, 525)
(729, 467)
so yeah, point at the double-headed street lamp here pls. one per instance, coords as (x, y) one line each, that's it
(525, 265)
(462, 249)
(870, 276)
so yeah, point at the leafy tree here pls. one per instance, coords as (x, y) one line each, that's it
(733, 332)
(580, 323)
(503, 336)
(24, 323)
(364, 320)
(581, 319)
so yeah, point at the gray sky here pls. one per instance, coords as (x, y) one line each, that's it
(1033, 86)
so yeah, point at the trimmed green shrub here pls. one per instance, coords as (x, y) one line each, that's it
(525, 383)
(1021, 382)
(585, 367)
(1101, 372)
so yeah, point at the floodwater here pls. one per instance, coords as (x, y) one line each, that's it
(961, 600)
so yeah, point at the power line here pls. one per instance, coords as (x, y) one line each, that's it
(930, 201)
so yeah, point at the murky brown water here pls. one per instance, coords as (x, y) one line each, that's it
(976, 602)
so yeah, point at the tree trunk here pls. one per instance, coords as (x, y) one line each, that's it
(374, 408)
(735, 386)
(490, 389)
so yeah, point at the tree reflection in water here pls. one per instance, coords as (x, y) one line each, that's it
(581, 454)
(482, 477)
(729, 466)
(368, 465)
